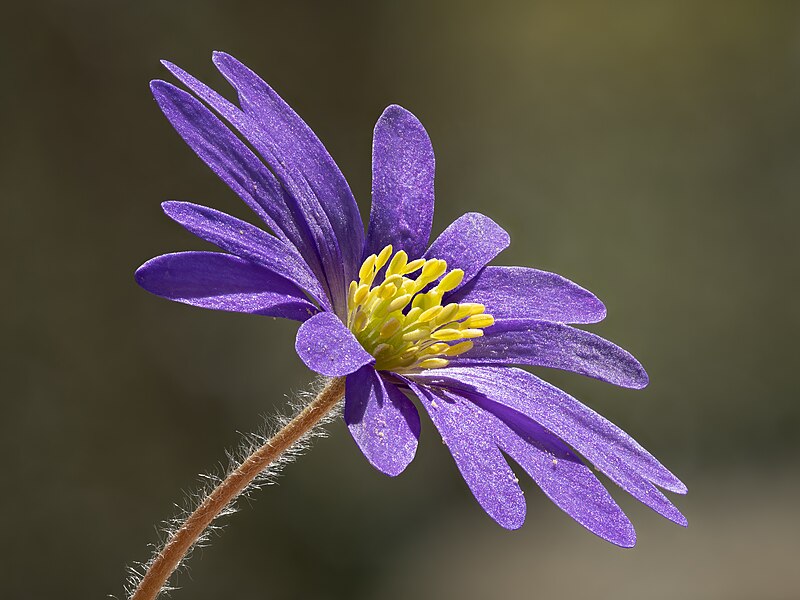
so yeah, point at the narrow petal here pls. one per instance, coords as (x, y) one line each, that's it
(554, 345)
(306, 160)
(248, 242)
(523, 293)
(469, 243)
(402, 185)
(612, 450)
(383, 422)
(326, 346)
(225, 154)
(302, 217)
(472, 442)
(223, 282)
(560, 474)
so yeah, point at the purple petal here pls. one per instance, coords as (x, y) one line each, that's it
(402, 185)
(554, 345)
(223, 282)
(471, 441)
(523, 293)
(248, 242)
(305, 159)
(469, 243)
(560, 474)
(302, 217)
(383, 422)
(225, 154)
(612, 450)
(326, 346)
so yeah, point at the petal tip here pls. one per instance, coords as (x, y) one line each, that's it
(392, 471)
(394, 111)
(158, 85)
(642, 379)
(626, 538)
(140, 274)
(602, 311)
(513, 523)
(219, 57)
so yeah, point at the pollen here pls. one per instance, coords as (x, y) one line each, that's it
(401, 321)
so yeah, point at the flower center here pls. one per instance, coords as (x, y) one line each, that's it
(404, 328)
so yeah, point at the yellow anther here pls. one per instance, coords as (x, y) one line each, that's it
(395, 280)
(448, 314)
(390, 327)
(409, 286)
(413, 266)
(351, 293)
(471, 333)
(403, 327)
(438, 348)
(399, 302)
(361, 293)
(367, 270)
(468, 309)
(397, 264)
(435, 296)
(479, 321)
(458, 348)
(433, 363)
(414, 314)
(451, 281)
(417, 334)
(429, 314)
(387, 291)
(427, 300)
(381, 350)
(447, 335)
(383, 257)
(433, 269)
(360, 322)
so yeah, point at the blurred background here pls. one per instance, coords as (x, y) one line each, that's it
(649, 151)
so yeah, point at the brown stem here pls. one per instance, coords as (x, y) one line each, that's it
(182, 540)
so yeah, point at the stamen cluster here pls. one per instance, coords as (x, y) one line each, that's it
(404, 327)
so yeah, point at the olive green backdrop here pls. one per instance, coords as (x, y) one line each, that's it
(648, 150)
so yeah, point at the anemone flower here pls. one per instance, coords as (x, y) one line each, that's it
(398, 317)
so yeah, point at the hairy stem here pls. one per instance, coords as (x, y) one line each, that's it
(234, 484)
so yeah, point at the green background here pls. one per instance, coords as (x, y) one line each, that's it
(647, 150)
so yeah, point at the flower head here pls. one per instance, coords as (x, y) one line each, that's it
(399, 317)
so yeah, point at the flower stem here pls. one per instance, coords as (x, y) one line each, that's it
(234, 484)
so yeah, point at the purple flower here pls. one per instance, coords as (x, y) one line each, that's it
(398, 316)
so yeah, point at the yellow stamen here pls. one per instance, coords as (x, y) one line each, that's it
(451, 281)
(447, 335)
(383, 256)
(398, 264)
(367, 268)
(399, 302)
(361, 293)
(430, 314)
(479, 321)
(390, 327)
(433, 363)
(413, 266)
(458, 348)
(404, 328)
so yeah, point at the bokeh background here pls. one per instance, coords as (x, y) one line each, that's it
(648, 150)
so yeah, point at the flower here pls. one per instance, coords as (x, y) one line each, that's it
(399, 317)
